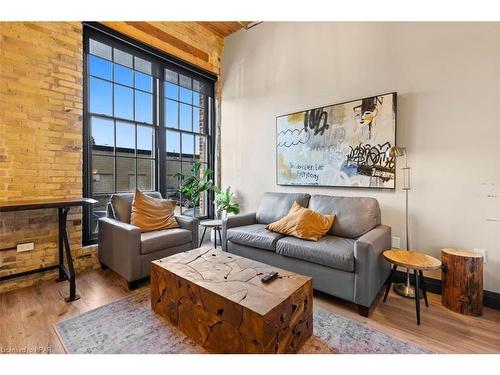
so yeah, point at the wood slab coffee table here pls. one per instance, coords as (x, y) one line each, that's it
(217, 299)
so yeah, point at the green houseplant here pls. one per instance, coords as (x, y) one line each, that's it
(224, 202)
(194, 185)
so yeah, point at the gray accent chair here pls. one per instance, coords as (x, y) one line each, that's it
(346, 263)
(127, 251)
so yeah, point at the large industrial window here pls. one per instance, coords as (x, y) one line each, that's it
(146, 117)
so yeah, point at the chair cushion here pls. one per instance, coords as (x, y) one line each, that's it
(274, 206)
(122, 204)
(330, 251)
(150, 214)
(354, 216)
(303, 223)
(255, 235)
(164, 239)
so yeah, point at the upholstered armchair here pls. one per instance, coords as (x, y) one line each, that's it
(127, 251)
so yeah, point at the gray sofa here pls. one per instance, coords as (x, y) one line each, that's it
(127, 251)
(346, 263)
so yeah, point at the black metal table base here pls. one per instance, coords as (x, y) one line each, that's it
(66, 273)
(217, 230)
(419, 283)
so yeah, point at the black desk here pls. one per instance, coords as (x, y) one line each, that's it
(63, 206)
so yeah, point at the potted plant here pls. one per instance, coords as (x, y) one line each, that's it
(194, 185)
(224, 202)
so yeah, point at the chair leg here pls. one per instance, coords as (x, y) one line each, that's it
(389, 281)
(363, 311)
(132, 285)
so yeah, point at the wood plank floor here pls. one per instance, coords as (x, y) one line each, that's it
(27, 316)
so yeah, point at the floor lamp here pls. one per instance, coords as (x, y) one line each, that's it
(403, 289)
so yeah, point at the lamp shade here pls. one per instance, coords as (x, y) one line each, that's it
(394, 152)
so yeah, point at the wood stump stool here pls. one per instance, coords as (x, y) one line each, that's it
(462, 281)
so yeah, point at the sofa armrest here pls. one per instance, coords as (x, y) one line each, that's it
(119, 247)
(192, 224)
(236, 221)
(371, 269)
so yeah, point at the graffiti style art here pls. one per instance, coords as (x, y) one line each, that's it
(340, 145)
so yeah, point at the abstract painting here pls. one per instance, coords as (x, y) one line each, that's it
(341, 145)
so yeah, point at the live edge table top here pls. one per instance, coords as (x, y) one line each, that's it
(217, 299)
(234, 277)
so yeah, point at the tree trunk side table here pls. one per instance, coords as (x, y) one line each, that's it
(462, 281)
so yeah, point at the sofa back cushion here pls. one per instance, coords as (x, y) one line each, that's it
(122, 204)
(274, 206)
(354, 216)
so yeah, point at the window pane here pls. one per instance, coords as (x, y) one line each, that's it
(124, 102)
(171, 76)
(101, 96)
(125, 138)
(145, 174)
(173, 143)
(171, 113)
(142, 65)
(100, 67)
(98, 210)
(124, 75)
(99, 49)
(187, 146)
(125, 174)
(171, 91)
(103, 135)
(102, 174)
(198, 125)
(143, 82)
(185, 81)
(186, 95)
(197, 99)
(143, 107)
(145, 141)
(123, 58)
(186, 117)
(200, 148)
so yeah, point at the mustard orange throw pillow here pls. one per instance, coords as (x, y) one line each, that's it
(151, 213)
(303, 223)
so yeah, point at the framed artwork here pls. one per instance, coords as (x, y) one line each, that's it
(341, 145)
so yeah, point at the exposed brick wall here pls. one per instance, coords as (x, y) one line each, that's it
(40, 140)
(41, 133)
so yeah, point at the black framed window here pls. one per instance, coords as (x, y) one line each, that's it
(146, 117)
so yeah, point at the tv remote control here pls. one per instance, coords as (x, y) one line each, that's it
(268, 276)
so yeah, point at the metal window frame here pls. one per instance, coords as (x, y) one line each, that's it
(160, 61)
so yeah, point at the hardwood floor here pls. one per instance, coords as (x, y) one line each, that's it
(27, 315)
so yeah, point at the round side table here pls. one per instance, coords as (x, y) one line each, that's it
(215, 225)
(416, 261)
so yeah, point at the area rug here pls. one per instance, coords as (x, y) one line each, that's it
(130, 326)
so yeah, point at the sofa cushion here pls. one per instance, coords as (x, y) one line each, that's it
(303, 223)
(274, 206)
(122, 204)
(255, 235)
(354, 216)
(151, 214)
(163, 239)
(330, 251)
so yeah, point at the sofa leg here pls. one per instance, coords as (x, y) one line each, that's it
(132, 285)
(363, 311)
(103, 266)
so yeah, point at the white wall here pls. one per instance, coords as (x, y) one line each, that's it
(447, 76)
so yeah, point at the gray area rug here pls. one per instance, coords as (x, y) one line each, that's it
(130, 326)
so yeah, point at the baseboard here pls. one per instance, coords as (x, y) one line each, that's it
(490, 299)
